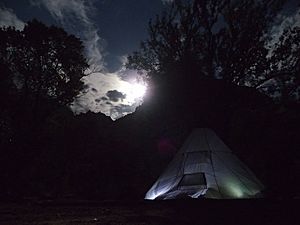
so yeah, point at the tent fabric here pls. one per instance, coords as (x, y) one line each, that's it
(205, 168)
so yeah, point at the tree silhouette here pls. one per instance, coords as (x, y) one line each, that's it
(40, 74)
(282, 76)
(221, 40)
(40, 71)
(45, 63)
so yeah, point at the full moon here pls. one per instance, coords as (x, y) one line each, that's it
(138, 90)
(134, 91)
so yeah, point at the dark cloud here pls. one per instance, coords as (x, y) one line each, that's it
(94, 90)
(107, 100)
(102, 90)
(115, 96)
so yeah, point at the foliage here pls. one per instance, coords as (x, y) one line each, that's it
(40, 72)
(284, 67)
(45, 63)
(91, 156)
(222, 40)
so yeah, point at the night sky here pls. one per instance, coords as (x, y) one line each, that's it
(110, 31)
(240, 84)
(121, 24)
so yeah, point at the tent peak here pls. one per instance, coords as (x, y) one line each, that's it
(205, 168)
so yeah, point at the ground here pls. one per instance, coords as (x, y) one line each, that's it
(183, 212)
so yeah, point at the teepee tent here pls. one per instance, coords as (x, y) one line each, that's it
(205, 168)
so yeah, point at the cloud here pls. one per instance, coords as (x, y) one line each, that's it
(9, 18)
(75, 16)
(115, 96)
(104, 92)
(122, 110)
(107, 93)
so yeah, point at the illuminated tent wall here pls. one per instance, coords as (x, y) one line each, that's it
(205, 167)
